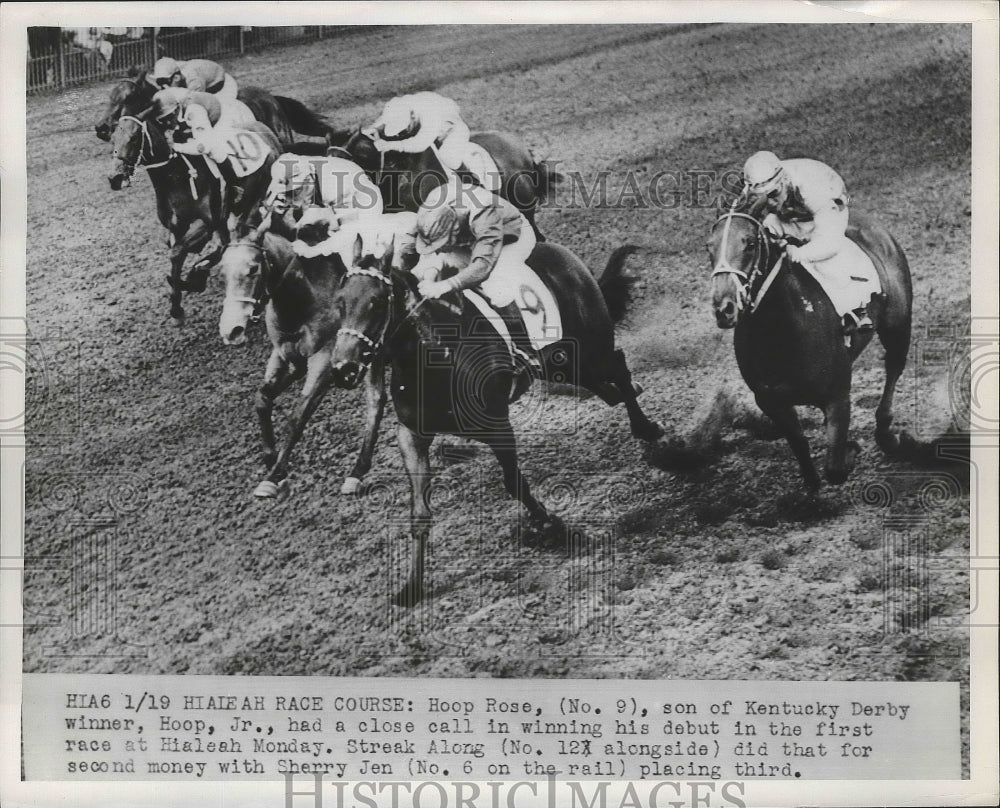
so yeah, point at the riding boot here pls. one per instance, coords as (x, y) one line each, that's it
(527, 363)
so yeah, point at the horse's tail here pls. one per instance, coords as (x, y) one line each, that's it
(545, 178)
(306, 122)
(615, 285)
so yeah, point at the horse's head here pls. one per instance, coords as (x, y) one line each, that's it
(126, 151)
(364, 304)
(137, 140)
(128, 97)
(244, 266)
(736, 245)
(360, 147)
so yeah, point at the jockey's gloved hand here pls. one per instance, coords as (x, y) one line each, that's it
(382, 145)
(794, 253)
(435, 289)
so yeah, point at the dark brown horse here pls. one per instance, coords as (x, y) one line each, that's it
(283, 116)
(405, 180)
(301, 319)
(189, 201)
(450, 374)
(789, 338)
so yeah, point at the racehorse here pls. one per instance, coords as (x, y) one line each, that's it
(283, 116)
(189, 200)
(451, 375)
(405, 180)
(789, 338)
(301, 320)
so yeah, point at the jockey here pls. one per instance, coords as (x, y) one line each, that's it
(466, 228)
(298, 182)
(201, 75)
(209, 119)
(421, 121)
(805, 199)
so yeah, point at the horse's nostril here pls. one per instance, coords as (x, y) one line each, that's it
(236, 333)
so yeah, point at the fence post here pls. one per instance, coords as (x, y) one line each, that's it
(61, 48)
(241, 40)
(156, 47)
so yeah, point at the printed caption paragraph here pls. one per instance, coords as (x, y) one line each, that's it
(215, 728)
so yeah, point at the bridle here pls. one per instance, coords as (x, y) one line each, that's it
(369, 354)
(762, 258)
(146, 155)
(259, 297)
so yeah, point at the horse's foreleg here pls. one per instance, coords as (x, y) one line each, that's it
(840, 453)
(415, 450)
(375, 398)
(319, 376)
(542, 524)
(277, 379)
(642, 427)
(784, 416)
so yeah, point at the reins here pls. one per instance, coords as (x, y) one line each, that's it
(384, 337)
(761, 256)
(146, 155)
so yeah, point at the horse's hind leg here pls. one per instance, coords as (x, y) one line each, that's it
(896, 341)
(277, 379)
(375, 398)
(318, 380)
(642, 427)
(787, 420)
(840, 453)
(415, 450)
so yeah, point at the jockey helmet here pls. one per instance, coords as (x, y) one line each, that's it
(165, 104)
(396, 117)
(164, 71)
(436, 226)
(763, 173)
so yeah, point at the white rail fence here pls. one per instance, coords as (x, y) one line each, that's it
(64, 57)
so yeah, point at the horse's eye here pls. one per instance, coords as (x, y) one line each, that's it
(748, 247)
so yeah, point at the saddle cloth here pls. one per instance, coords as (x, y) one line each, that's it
(849, 278)
(536, 303)
(246, 151)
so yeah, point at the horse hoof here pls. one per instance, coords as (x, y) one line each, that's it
(351, 486)
(268, 490)
(177, 321)
(649, 432)
(637, 389)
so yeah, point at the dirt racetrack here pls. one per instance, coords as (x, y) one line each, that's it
(143, 447)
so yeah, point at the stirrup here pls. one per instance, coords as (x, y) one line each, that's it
(525, 362)
(858, 322)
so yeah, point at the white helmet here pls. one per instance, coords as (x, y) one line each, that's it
(763, 172)
(396, 117)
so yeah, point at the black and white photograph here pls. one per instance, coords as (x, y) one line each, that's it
(586, 354)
